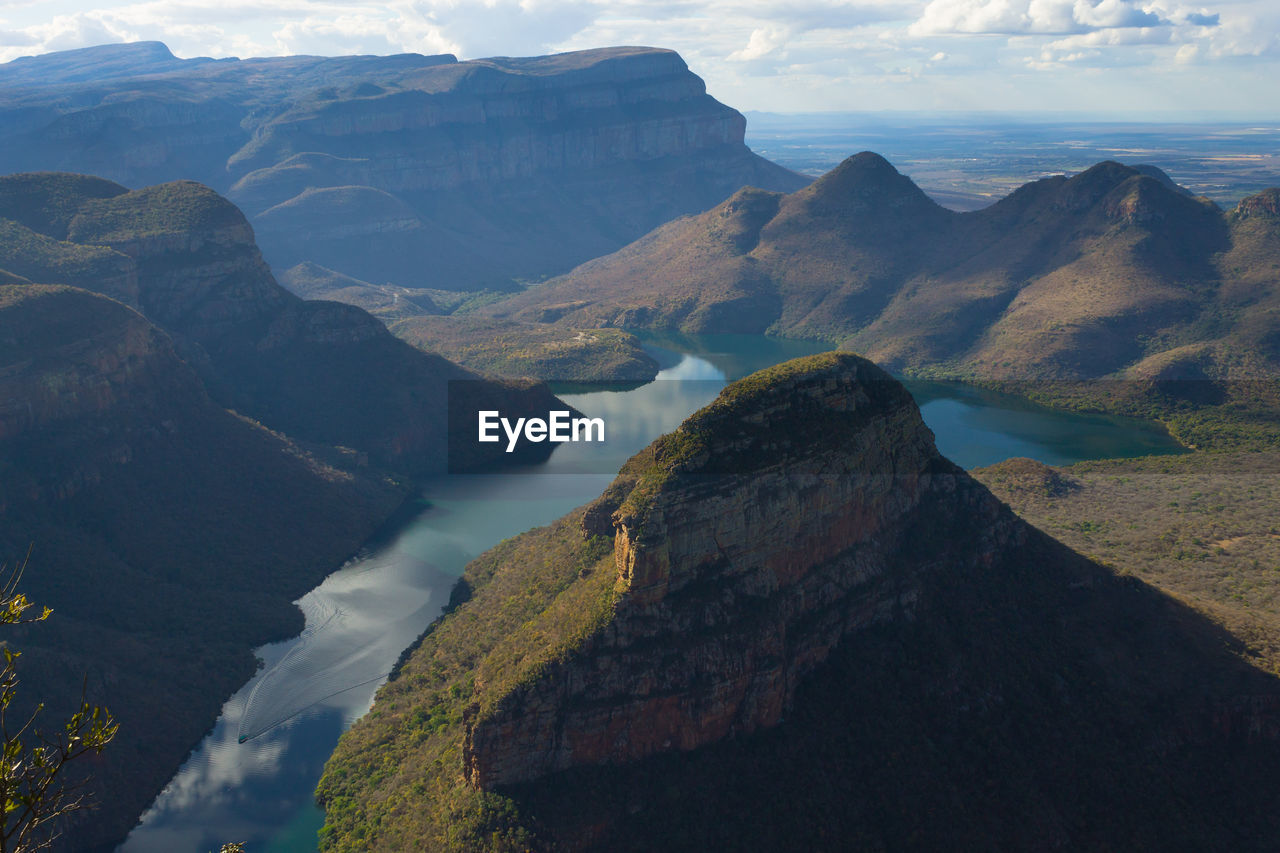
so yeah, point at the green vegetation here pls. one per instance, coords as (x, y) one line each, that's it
(179, 207)
(47, 202)
(1202, 527)
(38, 258)
(171, 536)
(552, 353)
(1011, 693)
(1109, 291)
(531, 601)
(34, 787)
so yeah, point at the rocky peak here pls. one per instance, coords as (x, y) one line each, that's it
(739, 220)
(1264, 205)
(1160, 175)
(747, 545)
(866, 184)
(1083, 191)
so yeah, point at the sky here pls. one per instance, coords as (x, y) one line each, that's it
(1093, 57)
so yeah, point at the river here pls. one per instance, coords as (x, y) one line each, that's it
(253, 776)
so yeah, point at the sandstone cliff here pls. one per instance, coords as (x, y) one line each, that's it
(791, 624)
(422, 171)
(761, 535)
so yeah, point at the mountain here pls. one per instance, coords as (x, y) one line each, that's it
(792, 625)
(1078, 277)
(169, 535)
(185, 257)
(419, 171)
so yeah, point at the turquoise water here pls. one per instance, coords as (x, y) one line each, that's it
(361, 617)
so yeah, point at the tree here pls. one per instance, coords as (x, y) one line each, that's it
(33, 781)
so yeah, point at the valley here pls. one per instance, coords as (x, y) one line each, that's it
(935, 504)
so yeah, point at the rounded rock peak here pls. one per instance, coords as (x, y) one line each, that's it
(1263, 204)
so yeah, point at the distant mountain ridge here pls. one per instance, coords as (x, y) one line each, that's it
(420, 171)
(1115, 272)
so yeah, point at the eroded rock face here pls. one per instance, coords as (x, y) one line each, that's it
(777, 537)
(1264, 204)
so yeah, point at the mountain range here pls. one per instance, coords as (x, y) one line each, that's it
(1114, 272)
(420, 171)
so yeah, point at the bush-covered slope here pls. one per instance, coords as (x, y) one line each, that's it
(169, 536)
(319, 371)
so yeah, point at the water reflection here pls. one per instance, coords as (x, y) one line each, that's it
(311, 688)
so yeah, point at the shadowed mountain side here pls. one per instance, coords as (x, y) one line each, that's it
(169, 536)
(319, 371)
(1066, 278)
(791, 625)
(386, 302)
(461, 175)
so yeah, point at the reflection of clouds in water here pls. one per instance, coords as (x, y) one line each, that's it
(358, 621)
(691, 367)
(633, 419)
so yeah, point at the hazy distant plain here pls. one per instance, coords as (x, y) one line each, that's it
(967, 162)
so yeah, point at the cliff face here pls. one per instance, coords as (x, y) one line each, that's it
(55, 373)
(461, 175)
(790, 624)
(764, 549)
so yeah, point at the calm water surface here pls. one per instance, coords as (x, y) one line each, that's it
(253, 776)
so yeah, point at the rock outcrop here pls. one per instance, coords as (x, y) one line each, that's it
(417, 170)
(742, 561)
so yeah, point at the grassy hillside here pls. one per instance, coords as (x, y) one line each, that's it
(320, 372)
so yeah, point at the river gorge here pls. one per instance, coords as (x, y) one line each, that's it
(253, 776)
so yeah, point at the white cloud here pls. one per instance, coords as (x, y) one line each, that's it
(763, 41)
(763, 54)
(1006, 17)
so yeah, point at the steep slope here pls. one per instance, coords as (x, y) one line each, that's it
(792, 625)
(169, 536)
(186, 258)
(419, 171)
(1066, 278)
